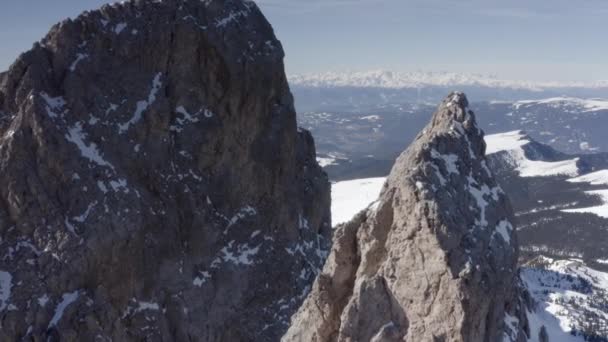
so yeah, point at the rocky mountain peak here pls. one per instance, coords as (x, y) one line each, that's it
(457, 105)
(153, 182)
(434, 258)
(454, 117)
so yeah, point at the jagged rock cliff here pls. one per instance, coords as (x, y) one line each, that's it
(434, 259)
(153, 183)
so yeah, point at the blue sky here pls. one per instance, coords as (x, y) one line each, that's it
(559, 40)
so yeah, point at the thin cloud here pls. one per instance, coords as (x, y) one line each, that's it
(514, 13)
(311, 5)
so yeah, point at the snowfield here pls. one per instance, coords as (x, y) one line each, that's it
(350, 197)
(513, 142)
(505, 141)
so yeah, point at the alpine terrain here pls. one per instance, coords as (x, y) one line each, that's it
(155, 185)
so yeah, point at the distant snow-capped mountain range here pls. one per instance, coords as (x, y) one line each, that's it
(366, 90)
(399, 80)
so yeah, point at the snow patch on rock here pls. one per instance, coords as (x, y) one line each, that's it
(449, 160)
(79, 58)
(54, 105)
(120, 27)
(6, 283)
(504, 229)
(67, 300)
(239, 255)
(76, 136)
(143, 105)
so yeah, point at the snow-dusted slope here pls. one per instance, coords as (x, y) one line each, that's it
(594, 178)
(350, 197)
(505, 141)
(534, 168)
(396, 80)
(513, 142)
(569, 295)
(599, 210)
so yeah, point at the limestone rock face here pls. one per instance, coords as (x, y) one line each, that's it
(434, 259)
(153, 182)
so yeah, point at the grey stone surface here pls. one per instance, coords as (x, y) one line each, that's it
(153, 182)
(434, 259)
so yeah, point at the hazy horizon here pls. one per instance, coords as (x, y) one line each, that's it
(541, 41)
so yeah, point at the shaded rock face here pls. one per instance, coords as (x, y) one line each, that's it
(153, 182)
(434, 259)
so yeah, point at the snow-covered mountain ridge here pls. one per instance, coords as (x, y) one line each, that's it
(514, 144)
(398, 80)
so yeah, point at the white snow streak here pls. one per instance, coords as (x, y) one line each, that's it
(88, 151)
(6, 283)
(504, 229)
(53, 104)
(68, 298)
(143, 105)
(120, 27)
(79, 58)
(241, 255)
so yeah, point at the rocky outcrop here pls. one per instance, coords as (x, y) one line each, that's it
(153, 183)
(434, 259)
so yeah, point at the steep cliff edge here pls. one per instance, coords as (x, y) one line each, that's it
(434, 259)
(153, 182)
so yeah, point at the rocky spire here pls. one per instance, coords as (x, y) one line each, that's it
(153, 182)
(433, 259)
